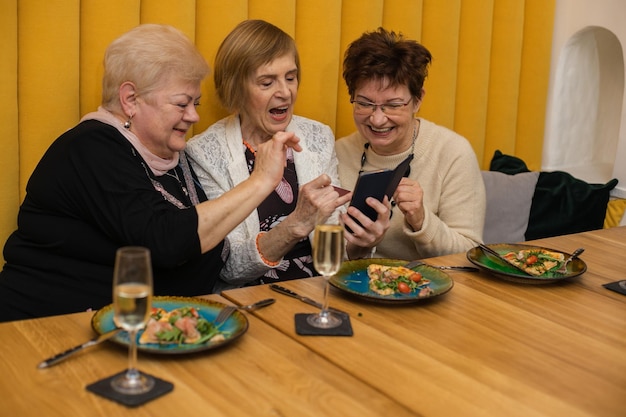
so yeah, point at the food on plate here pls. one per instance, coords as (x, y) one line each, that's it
(535, 261)
(388, 280)
(179, 326)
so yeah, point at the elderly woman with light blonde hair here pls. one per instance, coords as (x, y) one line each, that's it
(121, 178)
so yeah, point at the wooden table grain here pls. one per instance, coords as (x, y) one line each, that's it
(489, 346)
(264, 373)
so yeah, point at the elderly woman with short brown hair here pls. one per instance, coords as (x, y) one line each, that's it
(439, 207)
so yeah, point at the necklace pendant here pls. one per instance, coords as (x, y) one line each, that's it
(284, 191)
(185, 191)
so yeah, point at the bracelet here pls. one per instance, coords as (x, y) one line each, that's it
(263, 258)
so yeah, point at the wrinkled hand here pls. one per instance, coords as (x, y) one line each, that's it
(317, 200)
(369, 233)
(409, 198)
(271, 157)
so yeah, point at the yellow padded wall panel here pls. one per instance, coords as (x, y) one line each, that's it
(48, 39)
(504, 81)
(180, 13)
(405, 17)
(214, 20)
(533, 89)
(440, 34)
(9, 157)
(281, 13)
(470, 115)
(99, 26)
(615, 211)
(357, 16)
(317, 36)
(488, 80)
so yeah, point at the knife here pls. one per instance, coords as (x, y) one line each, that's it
(489, 251)
(310, 301)
(64, 355)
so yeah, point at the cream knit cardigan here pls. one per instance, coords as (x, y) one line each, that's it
(445, 165)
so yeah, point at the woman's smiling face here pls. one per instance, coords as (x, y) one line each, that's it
(272, 92)
(387, 134)
(163, 117)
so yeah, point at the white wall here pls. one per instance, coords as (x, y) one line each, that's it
(586, 113)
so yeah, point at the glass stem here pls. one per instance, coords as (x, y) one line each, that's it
(132, 373)
(324, 311)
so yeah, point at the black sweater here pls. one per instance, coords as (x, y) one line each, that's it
(90, 194)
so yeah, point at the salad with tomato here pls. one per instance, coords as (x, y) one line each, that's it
(389, 280)
(179, 326)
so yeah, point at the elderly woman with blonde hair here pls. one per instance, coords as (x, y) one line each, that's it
(121, 178)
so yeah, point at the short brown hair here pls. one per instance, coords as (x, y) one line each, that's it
(249, 45)
(386, 55)
(147, 56)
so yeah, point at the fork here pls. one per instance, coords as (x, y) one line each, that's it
(413, 264)
(223, 315)
(563, 268)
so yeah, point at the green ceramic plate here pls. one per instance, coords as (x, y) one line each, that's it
(353, 279)
(235, 326)
(508, 272)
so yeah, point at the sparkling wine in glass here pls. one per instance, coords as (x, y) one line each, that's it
(132, 300)
(328, 248)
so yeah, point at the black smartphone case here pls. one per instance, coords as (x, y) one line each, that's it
(377, 184)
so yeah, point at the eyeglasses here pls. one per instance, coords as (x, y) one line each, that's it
(365, 108)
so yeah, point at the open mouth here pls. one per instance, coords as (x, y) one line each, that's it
(279, 110)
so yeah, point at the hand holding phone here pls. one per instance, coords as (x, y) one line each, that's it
(377, 184)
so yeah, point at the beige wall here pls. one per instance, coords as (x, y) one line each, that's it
(586, 115)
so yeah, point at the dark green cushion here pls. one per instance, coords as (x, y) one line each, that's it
(561, 203)
(508, 164)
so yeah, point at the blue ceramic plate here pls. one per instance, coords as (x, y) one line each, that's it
(353, 279)
(235, 326)
(508, 272)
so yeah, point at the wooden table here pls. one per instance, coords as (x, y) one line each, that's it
(264, 373)
(487, 348)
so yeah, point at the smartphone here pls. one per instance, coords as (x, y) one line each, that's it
(377, 184)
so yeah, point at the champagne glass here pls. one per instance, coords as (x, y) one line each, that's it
(328, 248)
(132, 299)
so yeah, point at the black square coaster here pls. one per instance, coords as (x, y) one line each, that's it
(104, 389)
(305, 329)
(617, 286)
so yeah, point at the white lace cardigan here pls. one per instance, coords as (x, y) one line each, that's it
(217, 156)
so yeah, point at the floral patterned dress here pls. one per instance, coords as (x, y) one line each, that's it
(298, 262)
